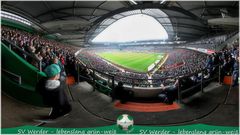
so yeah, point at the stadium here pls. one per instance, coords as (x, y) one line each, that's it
(79, 64)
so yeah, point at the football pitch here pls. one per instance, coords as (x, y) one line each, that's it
(132, 60)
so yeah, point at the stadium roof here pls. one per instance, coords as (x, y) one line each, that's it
(76, 21)
(158, 15)
(132, 28)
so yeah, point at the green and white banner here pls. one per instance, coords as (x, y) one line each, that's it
(135, 129)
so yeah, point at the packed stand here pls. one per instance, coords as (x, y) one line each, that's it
(223, 63)
(130, 78)
(208, 43)
(180, 62)
(40, 49)
(92, 60)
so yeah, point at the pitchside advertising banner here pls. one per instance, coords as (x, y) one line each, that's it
(125, 125)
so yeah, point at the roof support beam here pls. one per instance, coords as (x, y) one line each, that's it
(67, 31)
(61, 9)
(74, 5)
(167, 3)
(204, 9)
(125, 3)
(174, 8)
(70, 15)
(205, 3)
(235, 4)
(23, 14)
(183, 25)
(176, 17)
(212, 7)
(179, 4)
(97, 8)
(186, 33)
(49, 8)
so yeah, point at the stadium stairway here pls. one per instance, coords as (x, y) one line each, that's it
(227, 112)
(16, 113)
(92, 108)
(217, 106)
(27, 114)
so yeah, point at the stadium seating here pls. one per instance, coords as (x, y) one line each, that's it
(180, 62)
(39, 48)
(27, 51)
(20, 81)
(211, 43)
(190, 61)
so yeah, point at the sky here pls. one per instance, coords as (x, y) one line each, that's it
(138, 27)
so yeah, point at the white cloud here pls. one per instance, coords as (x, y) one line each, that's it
(138, 27)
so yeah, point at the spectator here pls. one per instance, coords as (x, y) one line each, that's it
(53, 92)
(169, 93)
(235, 73)
(120, 93)
(56, 61)
(209, 63)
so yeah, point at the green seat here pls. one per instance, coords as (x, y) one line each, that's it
(24, 91)
(103, 88)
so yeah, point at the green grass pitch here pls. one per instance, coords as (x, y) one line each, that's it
(132, 60)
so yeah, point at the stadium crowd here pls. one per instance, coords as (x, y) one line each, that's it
(189, 62)
(130, 78)
(211, 43)
(193, 66)
(180, 62)
(54, 57)
(227, 60)
(40, 49)
(92, 60)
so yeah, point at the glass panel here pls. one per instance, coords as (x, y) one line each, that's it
(118, 16)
